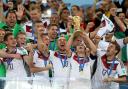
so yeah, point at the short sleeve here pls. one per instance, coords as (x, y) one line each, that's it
(121, 70)
(22, 51)
(120, 42)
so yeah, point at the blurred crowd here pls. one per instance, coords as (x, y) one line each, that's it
(47, 39)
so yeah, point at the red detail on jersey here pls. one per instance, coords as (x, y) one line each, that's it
(103, 23)
(107, 65)
(45, 24)
(56, 54)
(42, 56)
(28, 29)
(75, 57)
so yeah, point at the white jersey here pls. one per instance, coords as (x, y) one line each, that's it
(61, 67)
(16, 74)
(40, 62)
(29, 29)
(102, 48)
(16, 66)
(80, 79)
(40, 77)
(103, 71)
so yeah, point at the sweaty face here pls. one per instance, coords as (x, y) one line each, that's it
(11, 41)
(11, 19)
(61, 43)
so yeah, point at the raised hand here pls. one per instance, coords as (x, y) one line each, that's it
(29, 47)
(10, 5)
(49, 66)
(1, 11)
(20, 11)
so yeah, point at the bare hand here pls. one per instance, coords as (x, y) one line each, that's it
(62, 5)
(29, 47)
(49, 66)
(17, 56)
(20, 11)
(10, 5)
(109, 79)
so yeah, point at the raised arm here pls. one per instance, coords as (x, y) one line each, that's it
(117, 20)
(89, 43)
(1, 11)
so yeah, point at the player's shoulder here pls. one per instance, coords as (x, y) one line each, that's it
(29, 23)
(22, 51)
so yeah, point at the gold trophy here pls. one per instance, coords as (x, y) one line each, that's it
(77, 21)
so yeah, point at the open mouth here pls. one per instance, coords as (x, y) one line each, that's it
(62, 45)
(22, 43)
(54, 34)
(47, 45)
(11, 22)
(80, 47)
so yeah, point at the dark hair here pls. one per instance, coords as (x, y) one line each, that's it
(63, 10)
(117, 47)
(78, 8)
(52, 25)
(38, 21)
(34, 6)
(120, 13)
(7, 35)
(10, 11)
